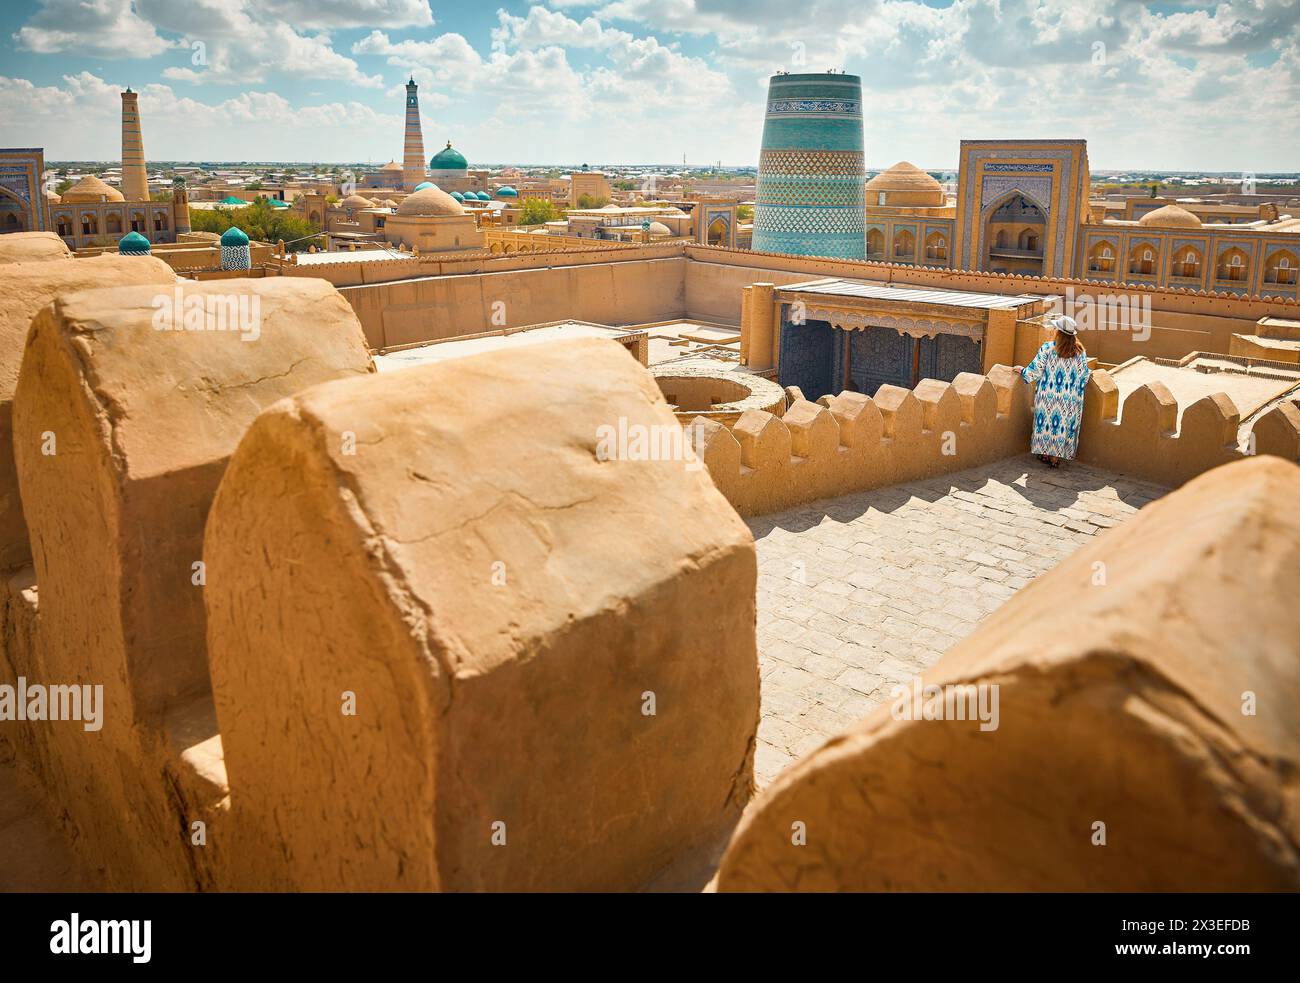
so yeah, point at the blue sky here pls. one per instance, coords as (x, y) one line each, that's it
(1179, 86)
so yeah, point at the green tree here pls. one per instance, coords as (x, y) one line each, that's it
(62, 186)
(536, 211)
(258, 221)
(745, 212)
(1155, 191)
(589, 201)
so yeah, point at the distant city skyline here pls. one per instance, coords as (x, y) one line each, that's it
(1151, 87)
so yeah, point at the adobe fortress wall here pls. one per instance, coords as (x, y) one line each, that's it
(765, 463)
(613, 291)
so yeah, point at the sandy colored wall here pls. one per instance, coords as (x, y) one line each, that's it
(32, 247)
(411, 311)
(144, 421)
(1139, 438)
(1124, 754)
(28, 287)
(854, 442)
(500, 649)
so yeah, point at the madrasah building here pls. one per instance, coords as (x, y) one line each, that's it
(91, 212)
(1023, 207)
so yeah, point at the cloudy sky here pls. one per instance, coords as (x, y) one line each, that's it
(1178, 86)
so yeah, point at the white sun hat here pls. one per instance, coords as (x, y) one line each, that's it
(1064, 323)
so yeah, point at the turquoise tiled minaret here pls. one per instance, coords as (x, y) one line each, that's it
(810, 195)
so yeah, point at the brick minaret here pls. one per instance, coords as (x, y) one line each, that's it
(413, 158)
(135, 179)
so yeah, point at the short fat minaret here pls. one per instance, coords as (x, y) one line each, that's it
(413, 156)
(135, 179)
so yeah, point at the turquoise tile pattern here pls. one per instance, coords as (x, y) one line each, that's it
(810, 195)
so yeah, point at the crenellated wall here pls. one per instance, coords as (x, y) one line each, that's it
(1144, 437)
(853, 442)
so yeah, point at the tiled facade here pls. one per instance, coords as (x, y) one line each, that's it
(809, 199)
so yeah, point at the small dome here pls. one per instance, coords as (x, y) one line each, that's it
(133, 244)
(392, 165)
(448, 159)
(357, 201)
(458, 196)
(234, 236)
(1171, 217)
(904, 184)
(505, 191)
(482, 195)
(430, 201)
(659, 229)
(425, 184)
(91, 189)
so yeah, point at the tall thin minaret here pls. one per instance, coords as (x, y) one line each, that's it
(135, 179)
(413, 158)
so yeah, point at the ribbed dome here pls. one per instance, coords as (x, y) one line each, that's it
(430, 201)
(448, 159)
(1171, 217)
(904, 184)
(91, 189)
(234, 236)
(357, 201)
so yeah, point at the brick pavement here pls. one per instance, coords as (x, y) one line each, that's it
(861, 592)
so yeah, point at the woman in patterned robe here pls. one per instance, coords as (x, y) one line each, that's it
(1061, 370)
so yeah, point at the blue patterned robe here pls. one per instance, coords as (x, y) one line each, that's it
(1058, 403)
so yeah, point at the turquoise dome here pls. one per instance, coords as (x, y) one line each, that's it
(448, 160)
(505, 191)
(425, 184)
(458, 196)
(482, 196)
(234, 237)
(133, 244)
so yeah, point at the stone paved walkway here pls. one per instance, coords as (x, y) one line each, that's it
(861, 592)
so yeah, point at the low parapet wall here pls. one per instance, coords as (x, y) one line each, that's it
(853, 442)
(1147, 439)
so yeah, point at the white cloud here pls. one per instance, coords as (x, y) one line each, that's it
(105, 28)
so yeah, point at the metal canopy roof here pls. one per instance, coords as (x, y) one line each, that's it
(870, 290)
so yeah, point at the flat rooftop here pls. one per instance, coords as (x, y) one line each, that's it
(871, 290)
(1251, 388)
(349, 256)
(441, 351)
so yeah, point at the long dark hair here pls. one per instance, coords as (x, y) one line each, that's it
(1067, 345)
